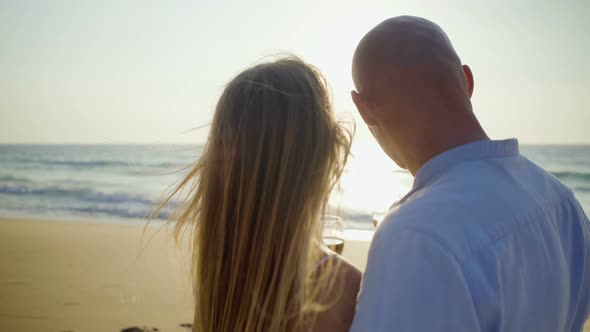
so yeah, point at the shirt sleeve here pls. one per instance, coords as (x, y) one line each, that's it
(412, 283)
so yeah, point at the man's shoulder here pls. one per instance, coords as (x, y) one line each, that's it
(469, 205)
(419, 219)
(478, 189)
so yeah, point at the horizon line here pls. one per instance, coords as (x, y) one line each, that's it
(203, 142)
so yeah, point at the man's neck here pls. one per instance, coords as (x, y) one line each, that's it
(428, 150)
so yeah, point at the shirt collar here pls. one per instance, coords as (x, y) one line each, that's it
(469, 152)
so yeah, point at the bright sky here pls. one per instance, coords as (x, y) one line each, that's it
(147, 71)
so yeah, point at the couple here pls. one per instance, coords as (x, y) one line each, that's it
(485, 240)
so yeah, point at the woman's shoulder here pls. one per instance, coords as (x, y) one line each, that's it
(350, 275)
(347, 270)
(341, 296)
(343, 272)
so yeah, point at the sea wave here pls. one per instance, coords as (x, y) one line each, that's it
(583, 189)
(118, 212)
(83, 194)
(569, 175)
(11, 178)
(99, 163)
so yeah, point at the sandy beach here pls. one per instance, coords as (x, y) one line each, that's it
(88, 276)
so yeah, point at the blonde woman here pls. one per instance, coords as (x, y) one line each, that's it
(254, 200)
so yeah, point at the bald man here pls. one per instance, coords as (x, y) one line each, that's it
(485, 240)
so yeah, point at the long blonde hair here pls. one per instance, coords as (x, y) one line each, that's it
(273, 155)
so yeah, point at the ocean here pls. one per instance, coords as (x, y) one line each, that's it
(121, 183)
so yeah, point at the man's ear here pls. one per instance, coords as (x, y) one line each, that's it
(469, 79)
(362, 107)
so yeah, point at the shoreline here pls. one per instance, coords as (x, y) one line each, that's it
(360, 233)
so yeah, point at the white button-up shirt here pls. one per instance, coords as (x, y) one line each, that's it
(485, 241)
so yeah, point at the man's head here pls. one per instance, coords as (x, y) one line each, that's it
(413, 91)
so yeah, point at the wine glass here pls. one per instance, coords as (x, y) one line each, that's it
(333, 233)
